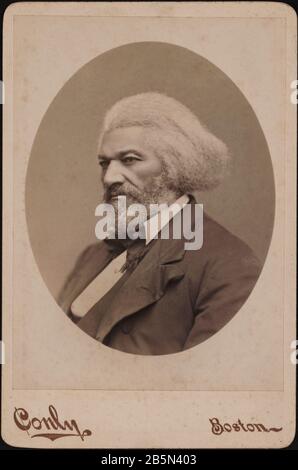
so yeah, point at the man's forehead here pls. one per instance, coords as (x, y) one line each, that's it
(122, 139)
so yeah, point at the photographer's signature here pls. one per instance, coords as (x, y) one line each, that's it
(50, 427)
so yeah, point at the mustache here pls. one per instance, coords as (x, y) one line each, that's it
(120, 189)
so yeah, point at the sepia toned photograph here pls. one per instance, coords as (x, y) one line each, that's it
(149, 161)
(151, 294)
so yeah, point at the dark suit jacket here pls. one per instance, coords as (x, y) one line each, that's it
(174, 299)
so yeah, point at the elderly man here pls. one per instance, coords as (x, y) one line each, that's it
(150, 295)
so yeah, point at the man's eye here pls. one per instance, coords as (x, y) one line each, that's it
(130, 159)
(104, 164)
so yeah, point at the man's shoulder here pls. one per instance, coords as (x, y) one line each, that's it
(223, 260)
(221, 244)
(218, 240)
(218, 236)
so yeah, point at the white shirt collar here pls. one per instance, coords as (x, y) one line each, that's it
(158, 221)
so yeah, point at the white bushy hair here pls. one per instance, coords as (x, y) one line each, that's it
(194, 158)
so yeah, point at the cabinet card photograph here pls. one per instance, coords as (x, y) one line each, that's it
(149, 252)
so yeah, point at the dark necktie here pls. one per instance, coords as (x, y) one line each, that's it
(136, 250)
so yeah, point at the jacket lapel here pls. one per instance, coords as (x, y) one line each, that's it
(145, 285)
(98, 258)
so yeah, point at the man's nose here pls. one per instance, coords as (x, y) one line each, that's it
(113, 174)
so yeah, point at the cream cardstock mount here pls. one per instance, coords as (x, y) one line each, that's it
(57, 380)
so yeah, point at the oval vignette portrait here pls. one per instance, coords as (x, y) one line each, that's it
(150, 199)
